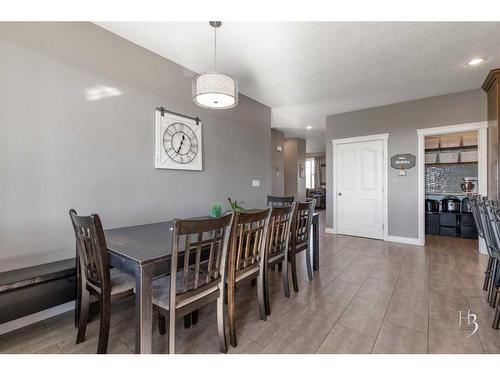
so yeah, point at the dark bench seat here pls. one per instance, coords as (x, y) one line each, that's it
(29, 290)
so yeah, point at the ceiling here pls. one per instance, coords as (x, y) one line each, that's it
(307, 70)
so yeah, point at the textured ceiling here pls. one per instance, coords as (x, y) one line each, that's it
(307, 70)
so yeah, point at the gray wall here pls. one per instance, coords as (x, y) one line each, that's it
(295, 155)
(402, 120)
(58, 150)
(277, 163)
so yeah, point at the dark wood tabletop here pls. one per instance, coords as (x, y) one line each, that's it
(141, 243)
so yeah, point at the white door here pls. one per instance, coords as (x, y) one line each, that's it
(360, 185)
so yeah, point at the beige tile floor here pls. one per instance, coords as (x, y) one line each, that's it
(368, 297)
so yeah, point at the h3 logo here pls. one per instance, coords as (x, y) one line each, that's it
(471, 321)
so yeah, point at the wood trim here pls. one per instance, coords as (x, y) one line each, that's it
(405, 240)
(364, 138)
(448, 129)
(491, 78)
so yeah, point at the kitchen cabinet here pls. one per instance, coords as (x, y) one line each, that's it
(492, 85)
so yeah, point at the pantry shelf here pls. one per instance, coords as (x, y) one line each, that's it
(470, 148)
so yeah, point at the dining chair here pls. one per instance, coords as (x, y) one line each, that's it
(487, 219)
(197, 273)
(277, 248)
(494, 213)
(474, 205)
(246, 260)
(96, 278)
(275, 201)
(300, 239)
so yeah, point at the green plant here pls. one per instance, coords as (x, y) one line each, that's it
(236, 206)
(215, 210)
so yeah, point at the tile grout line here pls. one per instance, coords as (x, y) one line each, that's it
(386, 309)
(331, 329)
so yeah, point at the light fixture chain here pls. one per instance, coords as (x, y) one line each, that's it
(215, 48)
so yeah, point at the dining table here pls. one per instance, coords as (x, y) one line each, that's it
(143, 251)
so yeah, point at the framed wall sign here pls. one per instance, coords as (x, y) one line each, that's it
(178, 142)
(403, 161)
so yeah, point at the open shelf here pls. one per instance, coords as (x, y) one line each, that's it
(458, 194)
(457, 163)
(451, 148)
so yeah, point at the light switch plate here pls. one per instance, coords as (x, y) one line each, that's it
(255, 183)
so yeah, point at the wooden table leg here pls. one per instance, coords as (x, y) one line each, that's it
(143, 310)
(187, 321)
(194, 317)
(315, 239)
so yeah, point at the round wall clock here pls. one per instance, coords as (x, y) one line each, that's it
(178, 142)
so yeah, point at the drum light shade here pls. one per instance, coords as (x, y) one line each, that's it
(215, 90)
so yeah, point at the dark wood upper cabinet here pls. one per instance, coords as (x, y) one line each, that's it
(491, 86)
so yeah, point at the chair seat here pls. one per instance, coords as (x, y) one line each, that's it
(161, 291)
(121, 282)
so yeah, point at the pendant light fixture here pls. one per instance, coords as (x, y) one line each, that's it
(214, 89)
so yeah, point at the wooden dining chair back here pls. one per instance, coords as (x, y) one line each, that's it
(277, 249)
(494, 214)
(300, 239)
(492, 229)
(92, 250)
(474, 200)
(248, 246)
(95, 277)
(199, 256)
(492, 248)
(275, 201)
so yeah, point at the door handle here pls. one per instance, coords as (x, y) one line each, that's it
(340, 193)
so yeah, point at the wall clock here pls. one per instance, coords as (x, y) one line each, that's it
(178, 142)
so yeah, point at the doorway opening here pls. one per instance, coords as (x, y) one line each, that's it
(452, 163)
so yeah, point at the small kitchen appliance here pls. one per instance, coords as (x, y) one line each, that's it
(466, 206)
(469, 185)
(450, 203)
(431, 205)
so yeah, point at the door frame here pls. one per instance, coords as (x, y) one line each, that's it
(482, 129)
(384, 137)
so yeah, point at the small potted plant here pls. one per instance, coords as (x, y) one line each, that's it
(236, 206)
(215, 210)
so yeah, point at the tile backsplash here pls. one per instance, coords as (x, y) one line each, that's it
(447, 178)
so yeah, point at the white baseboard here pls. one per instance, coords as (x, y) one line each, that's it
(36, 317)
(405, 240)
(330, 231)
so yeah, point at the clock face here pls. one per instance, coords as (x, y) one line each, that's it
(180, 143)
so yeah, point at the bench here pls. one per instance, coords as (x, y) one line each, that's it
(29, 290)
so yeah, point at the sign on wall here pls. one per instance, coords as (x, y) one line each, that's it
(403, 161)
